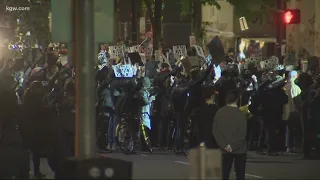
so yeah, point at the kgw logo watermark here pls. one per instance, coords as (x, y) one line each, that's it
(9, 8)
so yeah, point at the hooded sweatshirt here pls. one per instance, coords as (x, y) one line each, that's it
(293, 91)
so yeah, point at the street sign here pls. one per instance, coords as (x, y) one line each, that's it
(205, 163)
(61, 23)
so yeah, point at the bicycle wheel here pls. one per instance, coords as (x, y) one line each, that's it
(125, 138)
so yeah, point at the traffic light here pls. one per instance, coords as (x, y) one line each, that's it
(292, 16)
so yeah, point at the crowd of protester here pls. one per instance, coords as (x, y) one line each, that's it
(158, 108)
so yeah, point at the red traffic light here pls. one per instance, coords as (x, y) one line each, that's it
(288, 17)
(292, 16)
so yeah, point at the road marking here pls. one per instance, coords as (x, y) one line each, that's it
(144, 155)
(248, 175)
(182, 162)
(251, 175)
(254, 176)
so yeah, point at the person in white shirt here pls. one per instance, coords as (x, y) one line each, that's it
(291, 113)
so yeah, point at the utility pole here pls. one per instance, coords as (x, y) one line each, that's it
(134, 22)
(83, 56)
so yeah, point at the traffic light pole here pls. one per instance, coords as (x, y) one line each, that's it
(83, 54)
(280, 27)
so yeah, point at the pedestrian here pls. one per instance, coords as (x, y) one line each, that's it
(145, 126)
(229, 131)
(308, 122)
(13, 154)
(204, 116)
(273, 99)
(35, 125)
(291, 113)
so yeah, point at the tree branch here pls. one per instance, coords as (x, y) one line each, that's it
(211, 3)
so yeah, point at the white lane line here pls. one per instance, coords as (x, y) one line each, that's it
(248, 175)
(254, 176)
(144, 155)
(251, 175)
(182, 162)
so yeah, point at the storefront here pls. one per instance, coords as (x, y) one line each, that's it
(259, 39)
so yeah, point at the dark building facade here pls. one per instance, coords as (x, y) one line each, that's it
(123, 19)
(174, 30)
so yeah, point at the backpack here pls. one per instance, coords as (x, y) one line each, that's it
(129, 103)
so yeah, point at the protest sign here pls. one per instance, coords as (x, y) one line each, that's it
(124, 70)
(180, 51)
(116, 51)
(200, 52)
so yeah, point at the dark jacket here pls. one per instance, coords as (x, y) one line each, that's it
(195, 89)
(179, 95)
(315, 114)
(151, 68)
(36, 122)
(9, 121)
(223, 85)
(273, 102)
(310, 109)
(230, 128)
(203, 118)
(105, 96)
(161, 82)
(12, 151)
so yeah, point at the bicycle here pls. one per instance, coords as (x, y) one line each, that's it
(128, 133)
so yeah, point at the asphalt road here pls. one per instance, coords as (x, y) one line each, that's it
(162, 165)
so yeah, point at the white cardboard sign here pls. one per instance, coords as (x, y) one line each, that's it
(269, 63)
(116, 51)
(199, 51)
(180, 51)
